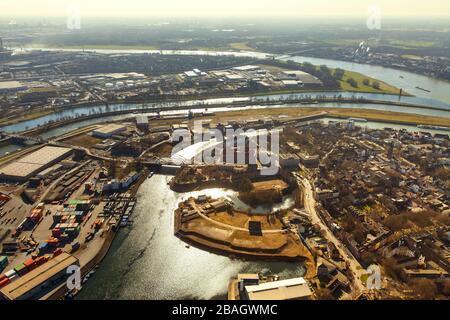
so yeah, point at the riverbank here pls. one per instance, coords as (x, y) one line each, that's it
(138, 265)
(93, 253)
(232, 47)
(339, 113)
(232, 233)
(11, 120)
(241, 105)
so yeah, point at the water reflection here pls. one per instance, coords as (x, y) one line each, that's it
(98, 110)
(147, 261)
(233, 197)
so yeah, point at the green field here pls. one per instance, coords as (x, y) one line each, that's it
(359, 78)
(411, 44)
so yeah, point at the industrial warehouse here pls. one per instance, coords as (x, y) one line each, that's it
(108, 130)
(35, 283)
(29, 165)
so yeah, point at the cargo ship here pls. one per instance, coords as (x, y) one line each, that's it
(420, 88)
(357, 119)
(424, 126)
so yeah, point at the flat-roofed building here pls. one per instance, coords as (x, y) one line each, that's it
(41, 280)
(309, 161)
(248, 278)
(190, 74)
(303, 79)
(108, 130)
(12, 86)
(29, 165)
(291, 289)
(18, 171)
(247, 68)
(142, 122)
(234, 77)
(290, 83)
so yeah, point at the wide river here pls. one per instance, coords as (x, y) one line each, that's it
(408, 81)
(439, 97)
(146, 260)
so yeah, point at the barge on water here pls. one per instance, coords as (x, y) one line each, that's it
(357, 119)
(420, 88)
(423, 126)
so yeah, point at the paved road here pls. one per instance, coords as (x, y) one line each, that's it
(355, 267)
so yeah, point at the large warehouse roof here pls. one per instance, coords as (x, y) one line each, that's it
(109, 129)
(11, 85)
(18, 169)
(45, 155)
(303, 76)
(34, 162)
(280, 290)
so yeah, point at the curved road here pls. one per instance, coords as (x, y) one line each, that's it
(310, 206)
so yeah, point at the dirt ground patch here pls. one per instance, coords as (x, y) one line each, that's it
(240, 220)
(83, 140)
(269, 185)
(164, 150)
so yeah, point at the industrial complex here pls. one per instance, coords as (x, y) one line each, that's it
(33, 163)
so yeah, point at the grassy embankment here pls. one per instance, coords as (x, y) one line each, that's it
(361, 87)
(24, 117)
(373, 115)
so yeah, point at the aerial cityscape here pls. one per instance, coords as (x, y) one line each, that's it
(237, 152)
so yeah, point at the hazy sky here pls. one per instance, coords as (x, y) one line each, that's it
(228, 8)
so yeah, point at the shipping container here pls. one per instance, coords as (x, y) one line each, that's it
(3, 263)
(52, 241)
(14, 277)
(30, 264)
(56, 233)
(57, 252)
(41, 260)
(75, 246)
(4, 282)
(57, 217)
(43, 247)
(21, 269)
(11, 273)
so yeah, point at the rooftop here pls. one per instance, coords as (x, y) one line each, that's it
(34, 162)
(44, 155)
(290, 289)
(11, 85)
(38, 276)
(110, 128)
(142, 119)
